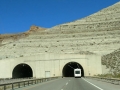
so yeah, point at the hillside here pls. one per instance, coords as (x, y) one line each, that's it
(98, 33)
(9, 38)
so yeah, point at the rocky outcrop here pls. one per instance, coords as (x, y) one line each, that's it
(112, 61)
(34, 28)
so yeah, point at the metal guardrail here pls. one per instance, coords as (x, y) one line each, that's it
(10, 80)
(23, 83)
(108, 80)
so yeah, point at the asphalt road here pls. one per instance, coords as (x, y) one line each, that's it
(72, 84)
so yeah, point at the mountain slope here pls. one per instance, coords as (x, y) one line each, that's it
(98, 33)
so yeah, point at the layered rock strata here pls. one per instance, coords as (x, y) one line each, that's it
(98, 33)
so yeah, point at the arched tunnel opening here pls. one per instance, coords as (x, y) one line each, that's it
(22, 71)
(68, 69)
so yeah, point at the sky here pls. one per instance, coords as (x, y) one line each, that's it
(17, 16)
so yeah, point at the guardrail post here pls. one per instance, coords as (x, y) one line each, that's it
(32, 81)
(28, 83)
(24, 84)
(12, 86)
(4, 87)
(18, 85)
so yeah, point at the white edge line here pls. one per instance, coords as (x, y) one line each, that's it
(67, 83)
(93, 84)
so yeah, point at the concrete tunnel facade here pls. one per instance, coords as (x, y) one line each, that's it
(50, 65)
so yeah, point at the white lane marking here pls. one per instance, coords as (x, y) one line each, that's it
(69, 80)
(93, 84)
(67, 83)
(61, 89)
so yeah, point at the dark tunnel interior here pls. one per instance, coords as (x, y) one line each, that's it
(22, 71)
(68, 69)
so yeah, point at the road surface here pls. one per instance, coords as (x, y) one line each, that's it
(72, 84)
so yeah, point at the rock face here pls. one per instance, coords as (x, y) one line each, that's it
(34, 28)
(112, 62)
(98, 33)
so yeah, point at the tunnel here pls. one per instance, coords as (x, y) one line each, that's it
(22, 71)
(68, 69)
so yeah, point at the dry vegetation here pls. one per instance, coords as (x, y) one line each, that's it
(20, 35)
(112, 61)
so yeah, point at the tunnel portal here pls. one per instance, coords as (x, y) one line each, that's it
(68, 69)
(22, 71)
